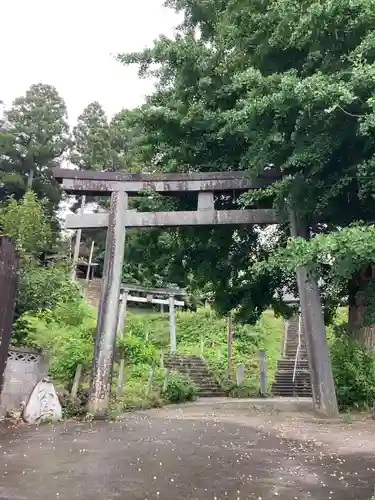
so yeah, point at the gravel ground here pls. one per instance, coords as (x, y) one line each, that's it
(195, 452)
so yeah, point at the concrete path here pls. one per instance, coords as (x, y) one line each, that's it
(190, 453)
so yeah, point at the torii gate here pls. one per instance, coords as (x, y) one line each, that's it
(170, 301)
(206, 185)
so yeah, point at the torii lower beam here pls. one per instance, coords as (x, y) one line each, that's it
(173, 219)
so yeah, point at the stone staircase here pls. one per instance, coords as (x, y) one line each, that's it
(92, 291)
(284, 384)
(196, 368)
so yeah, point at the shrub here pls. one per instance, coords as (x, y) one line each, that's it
(45, 287)
(180, 388)
(248, 389)
(135, 351)
(353, 367)
(27, 223)
(65, 334)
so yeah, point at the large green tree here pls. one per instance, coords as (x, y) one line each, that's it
(281, 83)
(102, 144)
(92, 144)
(34, 139)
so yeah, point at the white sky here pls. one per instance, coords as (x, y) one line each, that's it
(70, 44)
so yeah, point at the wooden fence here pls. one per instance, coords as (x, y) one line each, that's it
(9, 265)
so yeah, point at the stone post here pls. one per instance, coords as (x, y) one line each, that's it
(230, 345)
(263, 372)
(172, 325)
(108, 310)
(322, 384)
(120, 331)
(77, 244)
(240, 374)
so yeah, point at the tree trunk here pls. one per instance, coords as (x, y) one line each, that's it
(30, 178)
(361, 313)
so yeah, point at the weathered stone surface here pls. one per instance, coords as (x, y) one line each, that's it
(173, 219)
(43, 404)
(63, 395)
(240, 373)
(102, 183)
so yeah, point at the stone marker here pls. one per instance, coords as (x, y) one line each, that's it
(263, 372)
(43, 404)
(240, 373)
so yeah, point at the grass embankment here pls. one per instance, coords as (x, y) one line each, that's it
(205, 333)
(66, 335)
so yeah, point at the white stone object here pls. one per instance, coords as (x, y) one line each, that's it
(43, 404)
(240, 373)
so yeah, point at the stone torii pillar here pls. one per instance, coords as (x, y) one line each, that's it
(172, 325)
(105, 343)
(322, 384)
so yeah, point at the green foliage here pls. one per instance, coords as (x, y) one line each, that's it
(100, 144)
(135, 395)
(135, 351)
(65, 335)
(36, 136)
(27, 224)
(246, 85)
(45, 287)
(345, 251)
(180, 388)
(353, 369)
(92, 145)
(249, 389)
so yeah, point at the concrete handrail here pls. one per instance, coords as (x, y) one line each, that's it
(298, 349)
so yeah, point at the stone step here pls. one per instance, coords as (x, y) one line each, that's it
(289, 383)
(186, 366)
(184, 363)
(291, 361)
(191, 374)
(206, 385)
(211, 394)
(179, 357)
(290, 367)
(291, 391)
(286, 379)
(298, 373)
(196, 368)
(291, 386)
(198, 374)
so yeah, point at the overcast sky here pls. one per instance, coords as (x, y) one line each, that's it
(70, 45)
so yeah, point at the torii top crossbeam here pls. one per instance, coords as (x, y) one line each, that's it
(172, 291)
(101, 183)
